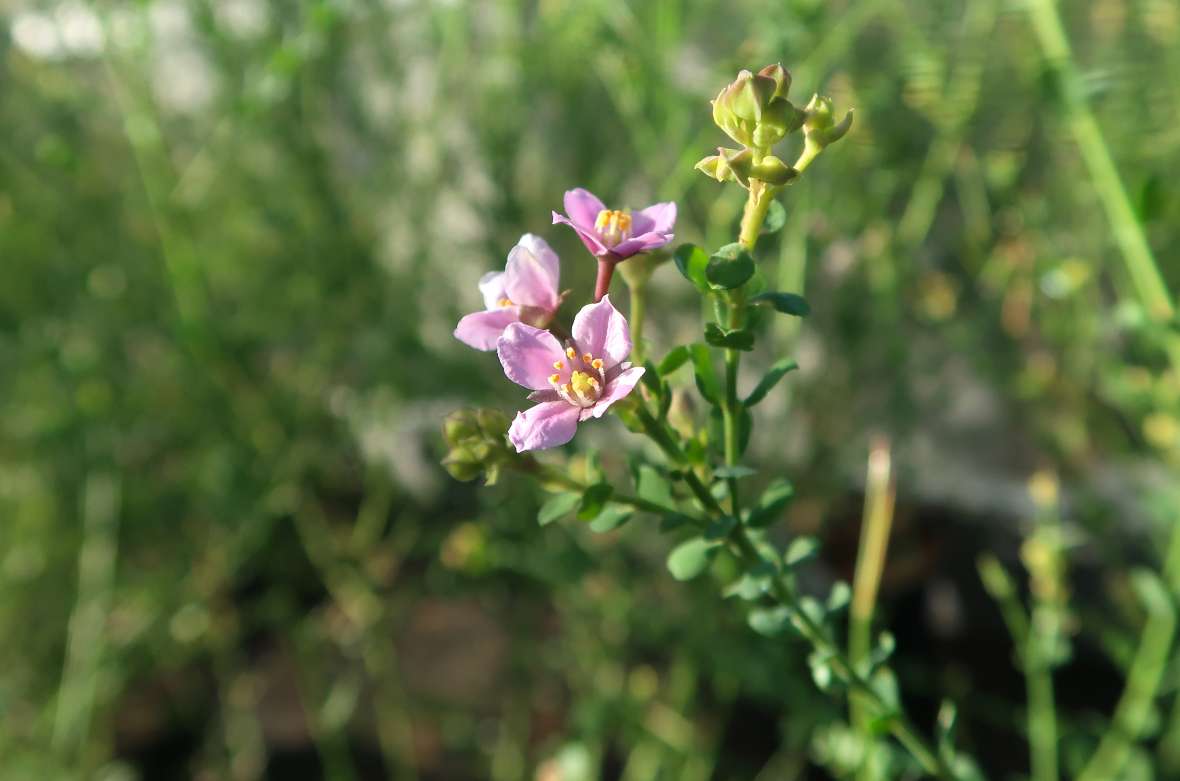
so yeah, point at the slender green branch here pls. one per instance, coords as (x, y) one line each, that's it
(744, 548)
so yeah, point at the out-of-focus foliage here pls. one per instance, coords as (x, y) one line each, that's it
(235, 237)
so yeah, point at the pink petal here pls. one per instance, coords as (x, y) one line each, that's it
(527, 355)
(546, 425)
(491, 285)
(544, 254)
(588, 237)
(583, 207)
(643, 243)
(531, 282)
(600, 330)
(658, 218)
(481, 330)
(616, 389)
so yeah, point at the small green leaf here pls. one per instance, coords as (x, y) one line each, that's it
(776, 218)
(787, 303)
(703, 372)
(612, 517)
(729, 267)
(690, 558)
(821, 669)
(801, 550)
(692, 262)
(557, 507)
(770, 504)
(720, 528)
(737, 339)
(737, 471)
(882, 651)
(770, 379)
(651, 378)
(652, 486)
(675, 358)
(748, 587)
(839, 597)
(769, 621)
(948, 719)
(593, 501)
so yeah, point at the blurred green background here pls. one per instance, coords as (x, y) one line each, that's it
(235, 236)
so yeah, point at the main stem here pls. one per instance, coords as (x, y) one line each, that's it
(753, 216)
(743, 547)
(637, 301)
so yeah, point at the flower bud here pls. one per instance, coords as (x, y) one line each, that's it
(781, 77)
(477, 443)
(493, 423)
(753, 109)
(820, 126)
(772, 170)
(462, 464)
(460, 425)
(728, 165)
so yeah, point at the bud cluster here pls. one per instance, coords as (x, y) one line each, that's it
(754, 111)
(477, 442)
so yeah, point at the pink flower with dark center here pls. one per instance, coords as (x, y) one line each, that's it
(620, 233)
(525, 292)
(571, 384)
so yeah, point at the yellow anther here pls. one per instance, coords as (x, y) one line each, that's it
(506, 302)
(587, 358)
(570, 352)
(584, 385)
(596, 363)
(554, 379)
(558, 365)
(613, 226)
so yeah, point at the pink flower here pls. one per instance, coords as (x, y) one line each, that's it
(610, 232)
(525, 291)
(572, 385)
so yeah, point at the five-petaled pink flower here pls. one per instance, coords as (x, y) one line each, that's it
(572, 384)
(615, 233)
(525, 291)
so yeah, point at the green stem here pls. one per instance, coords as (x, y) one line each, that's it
(1038, 677)
(637, 313)
(743, 547)
(1042, 714)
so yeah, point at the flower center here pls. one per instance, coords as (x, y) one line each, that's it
(613, 226)
(585, 385)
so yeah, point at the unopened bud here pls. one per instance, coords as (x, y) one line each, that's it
(753, 109)
(493, 423)
(462, 464)
(728, 165)
(772, 170)
(460, 425)
(820, 126)
(781, 77)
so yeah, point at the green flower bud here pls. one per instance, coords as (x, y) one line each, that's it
(459, 426)
(753, 109)
(820, 126)
(781, 77)
(462, 464)
(779, 118)
(772, 170)
(728, 165)
(493, 424)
